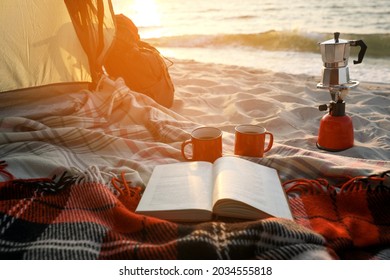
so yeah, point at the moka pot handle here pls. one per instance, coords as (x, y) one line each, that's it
(362, 52)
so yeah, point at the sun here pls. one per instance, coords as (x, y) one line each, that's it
(146, 13)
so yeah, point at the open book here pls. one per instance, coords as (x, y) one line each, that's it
(232, 187)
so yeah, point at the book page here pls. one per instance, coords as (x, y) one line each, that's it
(254, 184)
(185, 185)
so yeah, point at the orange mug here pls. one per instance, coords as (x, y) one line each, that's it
(250, 140)
(206, 144)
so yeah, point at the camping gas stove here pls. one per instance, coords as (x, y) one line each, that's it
(336, 129)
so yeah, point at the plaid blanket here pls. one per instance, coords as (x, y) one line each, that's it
(73, 167)
(70, 218)
(67, 219)
(352, 215)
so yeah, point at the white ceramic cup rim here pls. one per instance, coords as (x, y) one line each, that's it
(209, 132)
(250, 128)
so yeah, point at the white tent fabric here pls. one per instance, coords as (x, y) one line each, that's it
(39, 45)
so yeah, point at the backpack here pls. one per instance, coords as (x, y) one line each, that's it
(141, 65)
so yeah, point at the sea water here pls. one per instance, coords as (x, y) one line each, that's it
(281, 36)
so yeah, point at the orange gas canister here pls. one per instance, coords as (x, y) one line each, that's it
(335, 133)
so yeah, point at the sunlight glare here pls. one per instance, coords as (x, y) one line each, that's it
(147, 13)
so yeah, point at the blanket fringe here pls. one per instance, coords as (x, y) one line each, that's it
(118, 186)
(128, 195)
(41, 186)
(4, 172)
(375, 182)
(124, 187)
(92, 175)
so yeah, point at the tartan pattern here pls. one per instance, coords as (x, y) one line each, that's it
(353, 217)
(69, 220)
(72, 172)
(87, 221)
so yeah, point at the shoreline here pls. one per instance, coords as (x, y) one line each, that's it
(315, 76)
(290, 62)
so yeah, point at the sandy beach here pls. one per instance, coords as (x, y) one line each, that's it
(79, 145)
(103, 142)
(107, 139)
(285, 104)
(251, 62)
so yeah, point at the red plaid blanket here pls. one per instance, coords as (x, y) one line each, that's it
(65, 218)
(352, 215)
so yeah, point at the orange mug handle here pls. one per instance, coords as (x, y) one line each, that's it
(270, 143)
(183, 145)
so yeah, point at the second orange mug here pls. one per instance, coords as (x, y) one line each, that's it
(250, 140)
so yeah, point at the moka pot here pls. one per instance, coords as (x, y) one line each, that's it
(335, 56)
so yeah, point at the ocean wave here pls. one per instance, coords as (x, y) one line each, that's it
(378, 44)
(240, 17)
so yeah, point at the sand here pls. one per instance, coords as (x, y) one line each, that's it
(286, 105)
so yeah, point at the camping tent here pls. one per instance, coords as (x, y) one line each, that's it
(53, 42)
